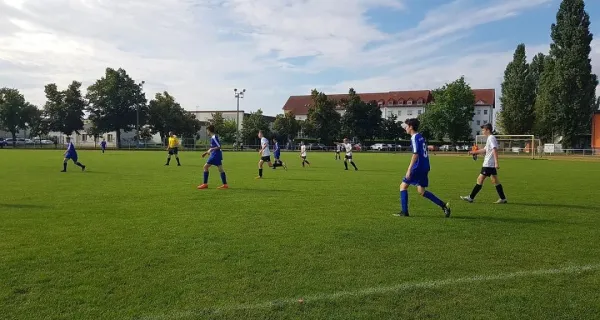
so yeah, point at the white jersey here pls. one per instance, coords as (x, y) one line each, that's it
(303, 151)
(348, 148)
(264, 143)
(490, 145)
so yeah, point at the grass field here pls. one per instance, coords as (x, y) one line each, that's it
(132, 239)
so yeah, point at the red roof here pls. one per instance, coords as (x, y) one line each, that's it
(298, 105)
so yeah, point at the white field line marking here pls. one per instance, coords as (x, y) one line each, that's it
(379, 290)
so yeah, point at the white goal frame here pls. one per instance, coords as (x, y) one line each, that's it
(534, 149)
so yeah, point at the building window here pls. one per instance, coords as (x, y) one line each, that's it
(409, 102)
(380, 103)
(484, 112)
(109, 138)
(419, 102)
(391, 103)
(400, 101)
(478, 122)
(409, 113)
(478, 111)
(419, 111)
(484, 121)
(84, 137)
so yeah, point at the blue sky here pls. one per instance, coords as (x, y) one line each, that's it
(200, 50)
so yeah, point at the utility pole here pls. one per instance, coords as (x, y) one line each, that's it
(238, 95)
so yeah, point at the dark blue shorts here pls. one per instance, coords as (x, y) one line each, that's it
(214, 161)
(72, 157)
(418, 179)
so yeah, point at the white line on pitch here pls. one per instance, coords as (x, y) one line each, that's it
(379, 290)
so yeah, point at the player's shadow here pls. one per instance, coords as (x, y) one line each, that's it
(261, 191)
(22, 206)
(508, 219)
(556, 205)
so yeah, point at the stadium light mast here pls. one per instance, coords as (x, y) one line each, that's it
(238, 95)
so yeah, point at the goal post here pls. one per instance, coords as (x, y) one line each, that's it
(518, 145)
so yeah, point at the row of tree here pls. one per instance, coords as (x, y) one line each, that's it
(114, 103)
(554, 95)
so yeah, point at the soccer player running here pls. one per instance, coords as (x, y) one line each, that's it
(265, 154)
(348, 156)
(490, 166)
(173, 149)
(303, 154)
(277, 155)
(418, 170)
(103, 145)
(71, 154)
(215, 159)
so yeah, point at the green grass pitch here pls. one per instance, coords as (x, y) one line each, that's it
(131, 239)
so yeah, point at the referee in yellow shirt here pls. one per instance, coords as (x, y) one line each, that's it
(173, 149)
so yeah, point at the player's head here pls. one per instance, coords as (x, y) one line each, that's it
(171, 133)
(487, 129)
(274, 140)
(210, 129)
(68, 139)
(260, 134)
(411, 125)
(345, 140)
(302, 142)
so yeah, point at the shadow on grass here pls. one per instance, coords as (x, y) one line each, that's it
(556, 205)
(22, 206)
(507, 219)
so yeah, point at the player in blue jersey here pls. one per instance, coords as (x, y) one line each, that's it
(277, 155)
(215, 159)
(418, 170)
(103, 145)
(71, 154)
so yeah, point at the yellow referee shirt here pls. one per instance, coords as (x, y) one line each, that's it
(173, 142)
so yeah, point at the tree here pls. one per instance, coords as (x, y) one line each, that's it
(518, 96)
(38, 126)
(14, 111)
(228, 131)
(164, 115)
(116, 100)
(433, 122)
(218, 121)
(572, 85)
(323, 118)
(391, 128)
(145, 134)
(64, 109)
(546, 109)
(536, 68)
(252, 124)
(452, 111)
(188, 125)
(361, 120)
(94, 130)
(286, 126)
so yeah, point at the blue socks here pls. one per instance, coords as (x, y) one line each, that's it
(434, 199)
(404, 200)
(205, 177)
(223, 178)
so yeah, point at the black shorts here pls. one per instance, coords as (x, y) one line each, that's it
(303, 157)
(347, 157)
(266, 159)
(487, 171)
(173, 151)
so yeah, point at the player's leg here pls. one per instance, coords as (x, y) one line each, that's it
(480, 179)
(308, 163)
(433, 198)
(65, 161)
(204, 184)
(169, 154)
(79, 164)
(223, 177)
(260, 168)
(346, 162)
(176, 152)
(499, 189)
(404, 198)
(353, 164)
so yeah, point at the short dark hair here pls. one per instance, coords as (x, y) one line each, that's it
(414, 123)
(260, 131)
(487, 126)
(211, 128)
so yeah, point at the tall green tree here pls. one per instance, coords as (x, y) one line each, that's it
(546, 109)
(14, 112)
(36, 122)
(433, 122)
(117, 100)
(391, 129)
(361, 119)
(573, 83)
(324, 120)
(252, 124)
(453, 109)
(228, 131)
(64, 109)
(286, 126)
(536, 68)
(218, 121)
(166, 114)
(518, 96)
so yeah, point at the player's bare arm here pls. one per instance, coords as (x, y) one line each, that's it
(413, 159)
(495, 153)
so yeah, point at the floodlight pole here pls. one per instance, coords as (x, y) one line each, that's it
(238, 95)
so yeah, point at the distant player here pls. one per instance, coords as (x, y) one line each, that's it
(303, 154)
(103, 145)
(215, 159)
(474, 151)
(490, 166)
(348, 156)
(338, 149)
(265, 154)
(173, 149)
(418, 170)
(71, 154)
(277, 155)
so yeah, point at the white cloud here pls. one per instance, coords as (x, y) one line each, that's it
(200, 50)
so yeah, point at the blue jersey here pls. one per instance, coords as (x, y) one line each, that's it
(71, 149)
(277, 150)
(419, 147)
(215, 143)
(103, 144)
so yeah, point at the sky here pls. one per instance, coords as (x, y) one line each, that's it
(200, 50)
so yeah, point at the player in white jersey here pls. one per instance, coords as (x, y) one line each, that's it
(338, 149)
(490, 166)
(265, 154)
(303, 154)
(348, 156)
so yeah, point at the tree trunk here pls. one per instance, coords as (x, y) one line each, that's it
(14, 137)
(118, 136)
